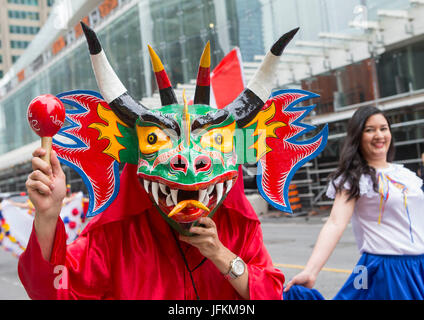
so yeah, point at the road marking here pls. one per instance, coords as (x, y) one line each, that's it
(295, 266)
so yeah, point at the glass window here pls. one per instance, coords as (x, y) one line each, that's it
(26, 2)
(342, 87)
(416, 52)
(94, 17)
(393, 74)
(15, 14)
(22, 44)
(121, 41)
(70, 36)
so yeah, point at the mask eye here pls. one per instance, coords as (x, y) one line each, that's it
(152, 139)
(219, 138)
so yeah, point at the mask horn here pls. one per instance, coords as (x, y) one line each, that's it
(166, 92)
(202, 93)
(113, 91)
(247, 105)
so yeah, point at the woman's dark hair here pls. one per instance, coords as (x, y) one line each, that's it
(352, 164)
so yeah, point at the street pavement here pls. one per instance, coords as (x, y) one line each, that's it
(10, 285)
(288, 240)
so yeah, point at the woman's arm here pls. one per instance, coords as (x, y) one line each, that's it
(330, 234)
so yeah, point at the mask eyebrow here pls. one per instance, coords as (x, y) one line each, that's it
(209, 119)
(161, 120)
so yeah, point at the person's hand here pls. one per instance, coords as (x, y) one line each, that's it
(46, 186)
(304, 278)
(206, 239)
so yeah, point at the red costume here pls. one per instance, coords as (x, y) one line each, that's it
(130, 252)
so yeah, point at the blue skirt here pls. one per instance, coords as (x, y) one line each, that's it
(376, 277)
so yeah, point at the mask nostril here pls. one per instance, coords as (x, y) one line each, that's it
(179, 163)
(202, 163)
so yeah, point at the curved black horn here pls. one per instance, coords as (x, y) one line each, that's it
(247, 105)
(111, 88)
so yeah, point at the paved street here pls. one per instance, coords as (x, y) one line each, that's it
(288, 240)
(10, 285)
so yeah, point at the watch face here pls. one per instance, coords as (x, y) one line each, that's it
(238, 267)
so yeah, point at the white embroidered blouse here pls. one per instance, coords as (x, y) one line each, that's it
(400, 230)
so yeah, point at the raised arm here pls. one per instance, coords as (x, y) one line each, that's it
(46, 188)
(330, 234)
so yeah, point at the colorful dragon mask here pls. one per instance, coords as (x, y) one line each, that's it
(187, 156)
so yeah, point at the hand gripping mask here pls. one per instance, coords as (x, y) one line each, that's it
(187, 156)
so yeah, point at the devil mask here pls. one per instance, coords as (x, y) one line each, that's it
(187, 156)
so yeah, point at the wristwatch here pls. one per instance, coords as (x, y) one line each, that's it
(237, 267)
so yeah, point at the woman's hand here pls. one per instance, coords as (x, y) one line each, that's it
(206, 239)
(304, 278)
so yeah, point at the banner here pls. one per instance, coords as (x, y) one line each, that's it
(16, 221)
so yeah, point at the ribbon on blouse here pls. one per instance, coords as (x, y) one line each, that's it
(383, 190)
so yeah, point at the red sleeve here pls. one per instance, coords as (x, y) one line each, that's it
(265, 281)
(69, 274)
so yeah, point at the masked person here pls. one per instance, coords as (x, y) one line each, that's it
(171, 232)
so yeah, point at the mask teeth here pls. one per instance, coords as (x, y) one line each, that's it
(202, 194)
(146, 184)
(169, 201)
(228, 185)
(155, 189)
(171, 195)
(163, 189)
(206, 200)
(219, 191)
(174, 196)
(210, 189)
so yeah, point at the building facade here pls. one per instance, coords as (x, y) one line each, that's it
(20, 21)
(352, 53)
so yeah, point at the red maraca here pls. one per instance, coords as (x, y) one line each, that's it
(46, 115)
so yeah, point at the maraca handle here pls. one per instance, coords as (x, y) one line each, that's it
(46, 144)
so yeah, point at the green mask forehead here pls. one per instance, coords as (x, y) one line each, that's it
(187, 158)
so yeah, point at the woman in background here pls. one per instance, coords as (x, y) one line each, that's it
(385, 203)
